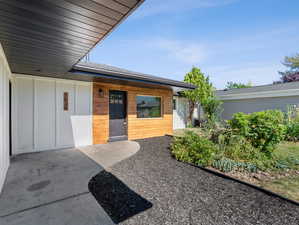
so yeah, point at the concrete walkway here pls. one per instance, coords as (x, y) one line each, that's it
(109, 154)
(51, 187)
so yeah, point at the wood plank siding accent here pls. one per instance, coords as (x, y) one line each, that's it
(137, 127)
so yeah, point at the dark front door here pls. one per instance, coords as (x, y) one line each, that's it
(117, 115)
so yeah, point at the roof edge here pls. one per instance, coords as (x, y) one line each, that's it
(130, 75)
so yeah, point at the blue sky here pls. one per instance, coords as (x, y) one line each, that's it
(230, 40)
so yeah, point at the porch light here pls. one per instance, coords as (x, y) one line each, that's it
(101, 92)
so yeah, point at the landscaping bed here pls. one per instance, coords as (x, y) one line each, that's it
(259, 148)
(151, 187)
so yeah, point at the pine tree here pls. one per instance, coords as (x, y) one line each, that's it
(292, 74)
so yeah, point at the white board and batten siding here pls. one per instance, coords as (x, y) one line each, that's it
(180, 112)
(5, 76)
(43, 122)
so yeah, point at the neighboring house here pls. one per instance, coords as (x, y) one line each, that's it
(259, 98)
(50, 101)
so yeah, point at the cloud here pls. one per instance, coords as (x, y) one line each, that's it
(183, 51)
(153, 7)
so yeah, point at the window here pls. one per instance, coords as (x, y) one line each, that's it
(116, 98)
(148, 106)
(174, 104)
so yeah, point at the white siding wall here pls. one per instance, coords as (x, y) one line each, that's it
(4, 117)
(41, 121)
(180, 114)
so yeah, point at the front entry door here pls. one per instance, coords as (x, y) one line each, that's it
(117, 116)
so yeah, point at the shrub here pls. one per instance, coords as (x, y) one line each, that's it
(292, 131)
(241, 122)
(263, 129)
(237, 147)
(267, 129)
(195, 149)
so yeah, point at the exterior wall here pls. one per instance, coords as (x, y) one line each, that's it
(137, 127)
(41, 123)
(180, 114)
(258, 104)
(4, 117)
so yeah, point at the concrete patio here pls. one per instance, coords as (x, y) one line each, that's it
(51, 187)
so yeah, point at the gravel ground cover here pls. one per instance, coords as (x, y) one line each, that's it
(153, 188)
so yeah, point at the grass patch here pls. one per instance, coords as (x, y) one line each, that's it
(181, 132)
(287, 186)
(287, 154)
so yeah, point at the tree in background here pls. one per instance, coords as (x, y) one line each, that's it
(204, 93)
(292, 74)
(233, 85)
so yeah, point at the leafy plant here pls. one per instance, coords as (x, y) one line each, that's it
(267, 129)
(292, 131)
(237, 147)
(241, 123)
(228, 165)
(292, 123)
(193, 148)
(263, 129)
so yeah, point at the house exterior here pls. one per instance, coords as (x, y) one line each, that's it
(181, 112)
(50, 99)
(259, 98)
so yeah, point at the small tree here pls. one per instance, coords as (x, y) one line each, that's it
(203, 91)
(233, 85)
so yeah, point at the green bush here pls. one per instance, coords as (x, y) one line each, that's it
(237, 147)
(241, 122)
(195, 149)
(292, 131)
(263, 129)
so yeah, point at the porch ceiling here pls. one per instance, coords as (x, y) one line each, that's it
(42, 37)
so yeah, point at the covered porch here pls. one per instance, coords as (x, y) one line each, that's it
(52, 99)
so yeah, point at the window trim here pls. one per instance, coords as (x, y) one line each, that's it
(150, 118)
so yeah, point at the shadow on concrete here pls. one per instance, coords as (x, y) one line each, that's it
(116, 198)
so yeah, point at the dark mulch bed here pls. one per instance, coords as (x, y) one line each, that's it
(153, 188)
